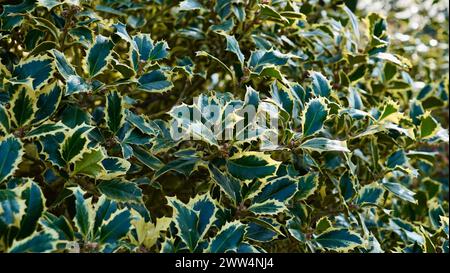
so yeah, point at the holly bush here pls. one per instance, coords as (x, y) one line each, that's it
(92, 94)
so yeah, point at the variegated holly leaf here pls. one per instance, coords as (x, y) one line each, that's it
(144, 50)
(370, 195)
(281, 189)
(320, 85)
(339, 240)
(155, 82)
(12, 151)
(262, 59)
(321, 144)
(98, 55)
(12, 208)
(115, 111)
(400, 191)
(39, 242)
(314, 116)
(84, 213)
(5, 122)
(228, 239)
(182, 165)
(74, 83)
(250, 165)
(47, 102)
(23, 106)
(38, 69)
(45, 129)
(228, 184)
(267, 207)
(35, 206)
(307, 185)
(90, 163)
(75, 143)
(114, 167)
(121, 190)
(193, 220)
(233, 46)
(115, 227)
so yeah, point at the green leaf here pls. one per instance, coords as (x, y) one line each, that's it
(370, 195)
(320, 84)
(225, 26)
(321, 144)
(307, 185)
(121, 191)
(280, 189)
(339, 240)
(390, 112)
(75, 143)
(46, 129)
(428, 126)
(84, 213)
(194, 219)
(249, 165)
(59, 224)
(74, 83)
(182, 165)
(314, 116)
(12, 208)
(47, 102)
(353, 21)
(89, 164)
(116, 227)
(227, 183)
(228, 238)
(322, 225)
(261, 59)
(233, 46)
(38, 69)
(115, 112)
(400, 191)
(11, 150)
(190, 5)
(23, 106)
(147, 158)
(49, 4)
(155, 82)
(347, 186)
(5, 122)
(114, 167)
(39, 242)
(270, 13)
(35, 203)
(267, 207)
(98, 56)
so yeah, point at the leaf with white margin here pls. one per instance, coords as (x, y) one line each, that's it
(321, 144)
(341, 239)
(39, 242)
(121, 190)
(11, 150)
(98, 55)
(228, 238)
(314, 116)
(249, 165)
(84, 213)
(39, 69)
(194, 219)
(22, 106)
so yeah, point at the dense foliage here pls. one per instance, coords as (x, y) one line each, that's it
(89, 90)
